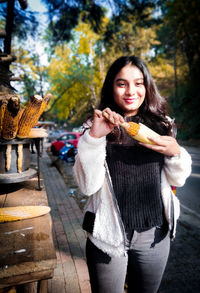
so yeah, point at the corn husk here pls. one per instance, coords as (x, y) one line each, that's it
(12, 115)
(22, 212)
(30, 116)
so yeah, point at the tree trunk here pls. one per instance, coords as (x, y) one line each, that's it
(9, 26)
(175, 75)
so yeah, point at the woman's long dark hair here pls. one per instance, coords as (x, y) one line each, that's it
(153, 110)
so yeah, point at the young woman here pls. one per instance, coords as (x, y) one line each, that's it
(131, 212)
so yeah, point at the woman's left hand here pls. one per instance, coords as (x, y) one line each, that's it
(165, 145)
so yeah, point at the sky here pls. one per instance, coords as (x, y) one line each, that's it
(38, 6)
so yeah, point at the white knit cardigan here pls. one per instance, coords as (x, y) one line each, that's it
(93, 179)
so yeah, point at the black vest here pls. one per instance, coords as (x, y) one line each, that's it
(136, 177)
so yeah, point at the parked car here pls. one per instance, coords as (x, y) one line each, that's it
(53, 135)
(72, 137)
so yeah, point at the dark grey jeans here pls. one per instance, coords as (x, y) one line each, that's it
(143, 266)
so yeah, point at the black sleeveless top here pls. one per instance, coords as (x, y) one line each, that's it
(136, 177)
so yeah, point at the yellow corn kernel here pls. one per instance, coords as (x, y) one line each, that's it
(133, 128)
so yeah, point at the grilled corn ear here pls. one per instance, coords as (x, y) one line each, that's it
(143, 134)
(30, 116)
(3, 105)
(11, 118)
(138, 131)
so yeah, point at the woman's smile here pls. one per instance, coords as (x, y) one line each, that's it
(131, 101)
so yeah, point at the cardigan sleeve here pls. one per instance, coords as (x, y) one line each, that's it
(178, 168)
(89, 169)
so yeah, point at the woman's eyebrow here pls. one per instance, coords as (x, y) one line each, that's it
(137, 79)
(120, 79)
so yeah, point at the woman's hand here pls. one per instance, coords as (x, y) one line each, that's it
(102, 126)
(166, 145)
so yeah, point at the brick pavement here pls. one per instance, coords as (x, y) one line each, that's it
(71, 274)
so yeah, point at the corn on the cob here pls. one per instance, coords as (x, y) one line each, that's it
(144, 133)
(133, 128)
(2, 111)
(30, 116)
(139, 131)
(22, 212)
(11, 118)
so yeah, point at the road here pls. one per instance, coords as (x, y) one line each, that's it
(183, 268)
(189, 194)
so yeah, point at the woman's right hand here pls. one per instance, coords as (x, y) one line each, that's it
(102, 126)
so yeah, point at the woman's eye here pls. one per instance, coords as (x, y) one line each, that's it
(139, 83)
(121, 84)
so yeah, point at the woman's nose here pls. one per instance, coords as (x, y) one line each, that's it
(131, 90)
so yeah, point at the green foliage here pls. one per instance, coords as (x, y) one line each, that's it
(83, 42)
(73, 77)
(64, 16)
(183, 22)
(33, 74)
(187, 104)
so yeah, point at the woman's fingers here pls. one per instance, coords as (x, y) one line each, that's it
(166, 145)
(112, 116)
(158, 140)
(97, 113)
(157, 148)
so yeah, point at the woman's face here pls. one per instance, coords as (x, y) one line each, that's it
(129, 90)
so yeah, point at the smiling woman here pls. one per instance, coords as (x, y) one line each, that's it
(128, 214)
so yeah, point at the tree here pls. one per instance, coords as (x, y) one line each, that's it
(182, 18)
(64, 17)
(73, 77)
(32, 73)
(14, 22)
(18, 22)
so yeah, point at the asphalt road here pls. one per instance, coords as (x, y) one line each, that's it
(189, 194)
(183, 268)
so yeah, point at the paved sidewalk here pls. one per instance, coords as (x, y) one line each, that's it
(71, 274)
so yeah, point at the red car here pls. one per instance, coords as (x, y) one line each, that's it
(70, 137)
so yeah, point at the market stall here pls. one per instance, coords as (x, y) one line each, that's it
(27, 255)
